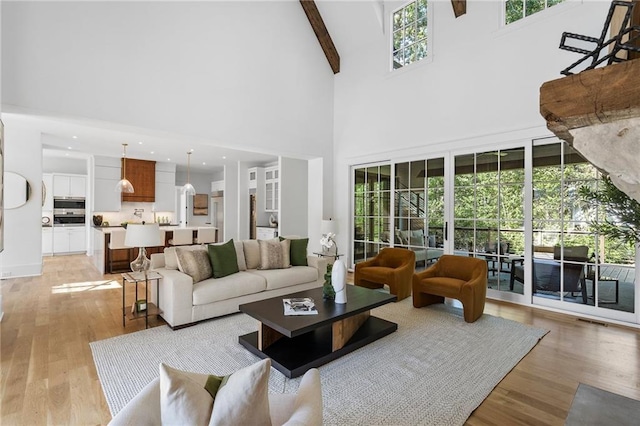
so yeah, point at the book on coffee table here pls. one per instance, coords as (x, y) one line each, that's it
(299, 306)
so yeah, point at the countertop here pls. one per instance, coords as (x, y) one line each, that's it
(163, 227)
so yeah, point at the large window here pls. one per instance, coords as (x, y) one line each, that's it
(409, 42)
(515, 10)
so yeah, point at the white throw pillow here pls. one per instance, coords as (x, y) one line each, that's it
(251, 253)
(244, 399)
(183, 398)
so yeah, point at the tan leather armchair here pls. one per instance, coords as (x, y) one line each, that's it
(392, 266)
(457, 277)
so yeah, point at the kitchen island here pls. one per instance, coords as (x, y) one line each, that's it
(103, 256)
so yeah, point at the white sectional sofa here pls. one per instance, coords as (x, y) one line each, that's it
(184, 303)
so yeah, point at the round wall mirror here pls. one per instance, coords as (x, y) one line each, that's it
(17, 190)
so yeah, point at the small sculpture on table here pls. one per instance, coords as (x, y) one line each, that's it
(328, 293)
(339, 281)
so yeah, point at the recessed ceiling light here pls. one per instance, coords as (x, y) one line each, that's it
(74, 137)
(67, 154)
(168, 159)
(153, 152)
(68, 147)
(204, 164)
(191, 149)
(224, 157)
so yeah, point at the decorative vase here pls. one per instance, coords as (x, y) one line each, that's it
(339, 281)
(328, 292)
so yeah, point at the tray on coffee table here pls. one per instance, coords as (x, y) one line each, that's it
(297, 343)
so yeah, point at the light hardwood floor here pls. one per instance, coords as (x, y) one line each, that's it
(47, 374)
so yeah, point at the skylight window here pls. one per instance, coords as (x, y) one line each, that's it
(409, 42)
(514, 10)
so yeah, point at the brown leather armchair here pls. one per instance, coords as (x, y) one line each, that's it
(392, 266)
(457, 277)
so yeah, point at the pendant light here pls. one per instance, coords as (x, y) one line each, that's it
(188, 188)
(124, 185)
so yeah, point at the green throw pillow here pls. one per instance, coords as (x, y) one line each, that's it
(214, 383)
(223, 259)
(298, 251)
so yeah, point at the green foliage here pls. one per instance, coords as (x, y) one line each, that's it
(622, 214)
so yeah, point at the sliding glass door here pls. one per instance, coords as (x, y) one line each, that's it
(419, 208)
(573, 268)
(489, 189)
(517, 207)
(417, 221)
(371, 210)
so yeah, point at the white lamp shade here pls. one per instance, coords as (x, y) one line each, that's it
(329, 226)
(139, 235)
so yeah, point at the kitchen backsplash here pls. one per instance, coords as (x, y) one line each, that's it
(136, 212)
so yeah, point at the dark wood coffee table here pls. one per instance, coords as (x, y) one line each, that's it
(297, 343)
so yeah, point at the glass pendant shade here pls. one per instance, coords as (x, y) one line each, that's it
(123, 184)
(188, 188)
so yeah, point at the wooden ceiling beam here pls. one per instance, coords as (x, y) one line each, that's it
(597, 96)
(459, 7)
(322, 34)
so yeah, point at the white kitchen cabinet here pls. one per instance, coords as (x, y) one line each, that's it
(165, 188)
(74, 186)
(60, 240)
(47, 241)
(271, 189)
(69, 239)
(253, 178)
(106, 174)
(77, 239)
(264, 233)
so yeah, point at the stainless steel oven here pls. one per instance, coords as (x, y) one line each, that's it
(68, 217)
(68, 212)
(67, 203)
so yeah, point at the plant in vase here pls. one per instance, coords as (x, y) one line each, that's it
(328, 293)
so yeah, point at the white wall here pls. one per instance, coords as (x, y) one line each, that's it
(246, 75)
(482, 83)
(22, 255)
(294, 193)
(231, 203)
(316, 204)
(64, 165)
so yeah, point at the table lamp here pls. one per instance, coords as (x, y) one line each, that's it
(141, 235)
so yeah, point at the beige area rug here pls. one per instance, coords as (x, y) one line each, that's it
(436, 369)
